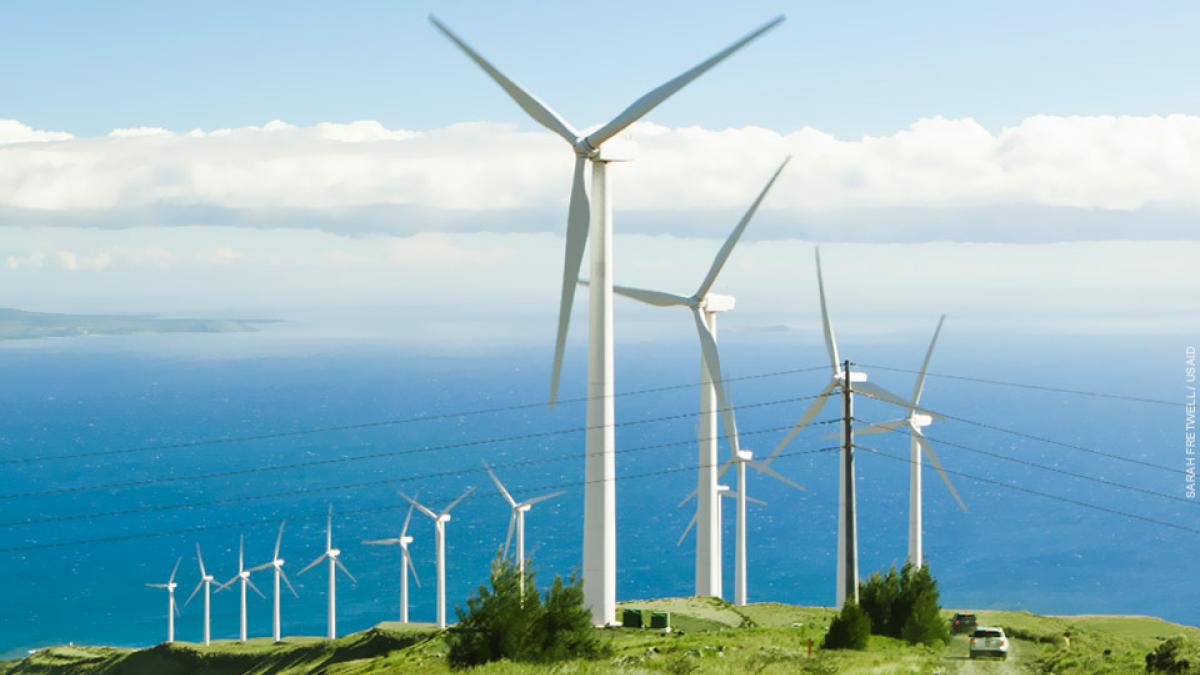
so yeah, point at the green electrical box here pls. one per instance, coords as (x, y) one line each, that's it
(635, 618)
(660, 620)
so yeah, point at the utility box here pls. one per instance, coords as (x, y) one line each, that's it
(660, 620)
(635, 618)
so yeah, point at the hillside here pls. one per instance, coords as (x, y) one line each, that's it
(710, 637)
(16, 324)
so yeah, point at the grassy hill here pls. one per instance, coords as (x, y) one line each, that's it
(710, 636)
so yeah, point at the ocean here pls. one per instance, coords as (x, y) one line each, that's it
(166, 396)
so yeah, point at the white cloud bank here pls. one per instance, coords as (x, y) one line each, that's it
(1046, 179)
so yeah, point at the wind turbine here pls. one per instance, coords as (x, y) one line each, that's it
(244, 575)
(599, 511)
(705, 306)
(406, 562)
(439, 531)
(172, 609)
(333, 555)
(846, 381)
(206, 580)
(916, 421)
(517, 520)
(277, 563)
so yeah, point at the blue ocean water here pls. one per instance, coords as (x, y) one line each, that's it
(1010, 550)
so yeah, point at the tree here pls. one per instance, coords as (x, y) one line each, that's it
(849, 630)
(905, 605)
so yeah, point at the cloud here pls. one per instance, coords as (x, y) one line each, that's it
(1046, 179)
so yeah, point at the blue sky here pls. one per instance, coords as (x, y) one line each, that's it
(846, 68)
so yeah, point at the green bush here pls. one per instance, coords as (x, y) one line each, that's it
(849, 630)
(905, 605)
(501, 623)
(1171, 656)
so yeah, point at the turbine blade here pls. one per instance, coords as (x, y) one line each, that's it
(381, 542)
(279, 539)
(200, 559)
(176, 606)
(499, 485)
(656, 298)
(157, 585)
(809, 414)
(329, 529)
(763, 468)
(578, 221)
(920, 385)
(732, 240)
(283, 575)
(230, 582)
(512, 526)
(241, 552)
(411, 567)
(174, 570)
(536, 109)
(826, 324)
(690, 525)
(255, 588)
(879, 393)
(651, 100)
(313, 564)
(341, 566)
(732, 494)
(879, 428)
(708, 347)
(194, 592)
(456, 501)
(937, 464)
(259, 568)
(539, 500)
(420, 508)
(725, 466)
(407, 520)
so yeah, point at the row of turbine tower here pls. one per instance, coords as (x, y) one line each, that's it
(332, 556)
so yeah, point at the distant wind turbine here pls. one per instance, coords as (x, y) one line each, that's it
(599, 511)
(244, 575)
(206, 580)
(172, 609)
(333, 555)
(406, 562)
(276, 563)
(516, 520)
(439, 530)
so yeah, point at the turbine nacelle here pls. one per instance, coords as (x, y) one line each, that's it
(855, 376)
(333, 552)
(744, 455)
(715, 302)
(920, 420)
(522, 508)
(245, 574)
(443, 518)
(277, 563)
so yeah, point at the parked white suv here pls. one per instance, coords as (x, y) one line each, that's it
(987, 641)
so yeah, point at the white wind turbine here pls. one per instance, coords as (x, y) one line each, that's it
(172, 609)
(599, 511)
(439, 531)
(277, 564)
(844, 381)
(916, 421)
(705, 305)
(206, 580)
(516, 520)
(406, 562)
(244, 575)
(333, 555)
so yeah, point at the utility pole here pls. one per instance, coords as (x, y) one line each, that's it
(851, 525)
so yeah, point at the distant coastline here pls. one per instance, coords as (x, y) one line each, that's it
(16, 324)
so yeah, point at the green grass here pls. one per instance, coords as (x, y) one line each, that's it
(710, 636)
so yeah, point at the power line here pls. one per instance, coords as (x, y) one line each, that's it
(1044, 467)
(377, 455)
(373, 483)
(1025, 385)
(1047, 495)
(275, 435)
(371, 509)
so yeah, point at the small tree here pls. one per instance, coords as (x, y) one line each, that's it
(905, 605)
(564, 630)
(849, 630)
(1170, 656)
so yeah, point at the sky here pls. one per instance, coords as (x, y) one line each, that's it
(1027, 163)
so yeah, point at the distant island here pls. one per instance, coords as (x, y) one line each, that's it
(16, 324)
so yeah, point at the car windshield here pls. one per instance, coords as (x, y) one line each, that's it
(987, 634)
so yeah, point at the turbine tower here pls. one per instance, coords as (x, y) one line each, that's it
(846, 381)
(406, 562)
(172, 609)
(705, 306)
(333, 555)
(916, 422)
(206, 580)
(439, 531)
(277, 564)
(516, 520)
(244, 575)
(599, 510)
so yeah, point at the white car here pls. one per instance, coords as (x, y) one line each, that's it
(987, 641)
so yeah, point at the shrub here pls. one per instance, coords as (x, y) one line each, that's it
(501, 623)
(849, 630)
(1170, 656)
(905, 605)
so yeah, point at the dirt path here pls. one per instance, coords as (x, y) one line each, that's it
(957, 654)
